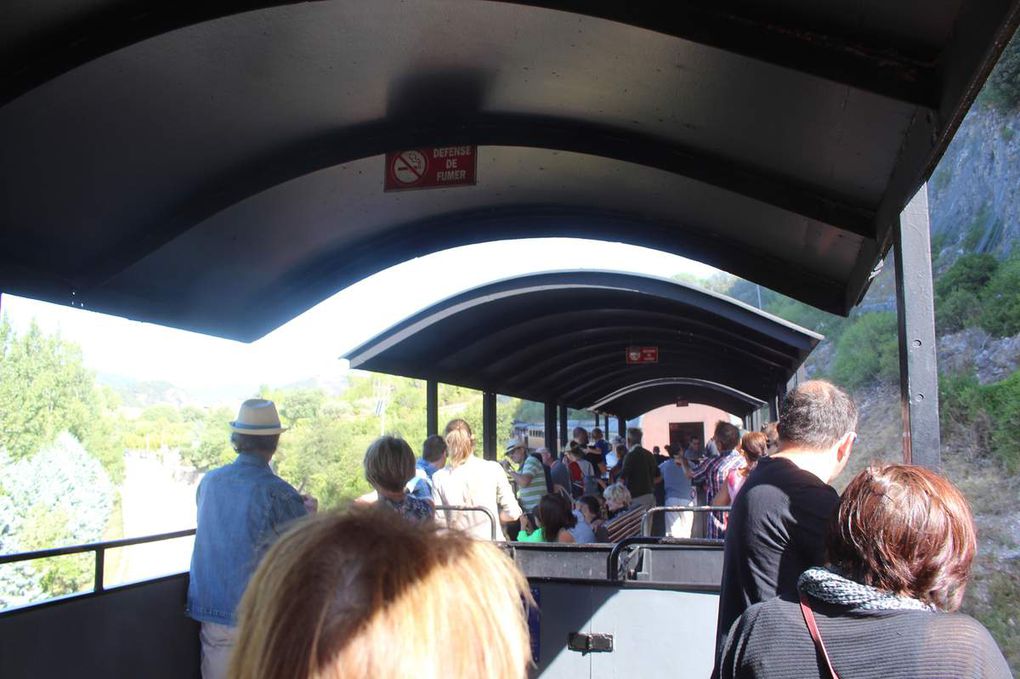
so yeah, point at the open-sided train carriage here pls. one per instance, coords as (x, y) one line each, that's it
(223, 166)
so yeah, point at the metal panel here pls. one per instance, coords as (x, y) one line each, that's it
(133, 631)
(915, 310)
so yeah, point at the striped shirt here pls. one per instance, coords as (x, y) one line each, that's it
(533, 492)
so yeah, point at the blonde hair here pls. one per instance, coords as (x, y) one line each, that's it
(617, 492)
(460, 442)
(366, 593)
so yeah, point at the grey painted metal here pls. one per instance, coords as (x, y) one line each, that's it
(564, 433)
(489, 434)
(137, 630)
(915, 310)
(550, 428)
(176, 227)
(646, 520)
(466, 508)
(562, 336)
(431, 407)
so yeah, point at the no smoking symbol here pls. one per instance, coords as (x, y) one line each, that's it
(409, 167)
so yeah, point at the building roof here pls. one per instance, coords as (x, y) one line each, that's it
(562, 337)
(219, 166)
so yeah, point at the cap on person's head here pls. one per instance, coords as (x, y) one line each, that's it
(514, 444)
(257, 417)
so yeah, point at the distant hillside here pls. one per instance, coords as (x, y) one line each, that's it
(143, 393)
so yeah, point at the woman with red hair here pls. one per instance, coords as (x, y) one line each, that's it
(899, 549)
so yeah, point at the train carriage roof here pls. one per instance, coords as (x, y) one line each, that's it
(561, 337)
(218, 166)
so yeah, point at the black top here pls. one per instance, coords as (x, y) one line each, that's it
(776, 532)
(639, 471)
(597, 460)
(771, 640)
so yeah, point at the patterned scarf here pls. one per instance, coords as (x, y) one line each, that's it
(827, 585)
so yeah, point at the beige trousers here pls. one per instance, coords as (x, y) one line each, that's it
(217, 644)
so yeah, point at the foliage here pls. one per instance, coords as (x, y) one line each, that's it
(958, 290)
(210, 446)
(989, 414)
(1000, 315)
(1002, 89)
(45, 389)
(61, 495)
(867, 350)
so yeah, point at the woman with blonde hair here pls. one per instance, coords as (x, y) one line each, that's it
(470, 481)
(367, 594)
(899, 551)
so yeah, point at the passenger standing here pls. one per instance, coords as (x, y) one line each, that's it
(242, 508)
(529, 477)
(559, 474)
(583, 477)
(433, 458)
(389, 463)
(714, 474)
(678, 494)
(640, 470)
(467, 480)
(598, 441)
(779, 520)
(753, 446)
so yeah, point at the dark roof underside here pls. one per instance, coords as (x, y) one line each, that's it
(561, 338)
(643, 397)
(218, 166)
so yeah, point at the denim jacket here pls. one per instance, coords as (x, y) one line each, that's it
(242, 508)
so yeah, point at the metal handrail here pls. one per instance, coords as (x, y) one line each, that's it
(613, 560)
(646, 521)
(98, 547)
(466, 508)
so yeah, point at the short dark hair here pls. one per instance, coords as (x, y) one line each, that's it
(906, 530)
(389, 463)
(727, 436)
(433, 448)
(249, 443)
(816, 414)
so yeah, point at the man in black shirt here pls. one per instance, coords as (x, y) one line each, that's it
(777, 525)
(640, 470)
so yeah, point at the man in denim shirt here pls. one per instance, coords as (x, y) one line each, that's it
(242, 508)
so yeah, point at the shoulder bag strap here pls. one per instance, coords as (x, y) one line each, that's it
(816, 636)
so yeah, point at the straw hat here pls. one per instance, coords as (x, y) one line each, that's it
(257, 417)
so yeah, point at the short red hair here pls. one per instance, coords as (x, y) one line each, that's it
(906, 530)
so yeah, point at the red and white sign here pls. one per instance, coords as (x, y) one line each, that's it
(638, 355)
(431, 168)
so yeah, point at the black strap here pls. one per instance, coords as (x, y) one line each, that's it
(816, 636)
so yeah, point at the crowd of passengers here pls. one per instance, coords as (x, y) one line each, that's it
(813, 584)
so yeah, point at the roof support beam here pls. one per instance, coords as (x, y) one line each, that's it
(489, 433)
(919, 390)
(550, 429)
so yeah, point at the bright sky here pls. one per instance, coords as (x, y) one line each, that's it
(310, 344)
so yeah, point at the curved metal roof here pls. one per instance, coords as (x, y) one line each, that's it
(643, 397)
(561, 337)
(219, 166)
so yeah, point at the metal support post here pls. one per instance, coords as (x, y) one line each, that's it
(564, 434)
(431, 407)
(915, 309)
(550, 429)
(774, 409)
(621, 426)
(489, 434)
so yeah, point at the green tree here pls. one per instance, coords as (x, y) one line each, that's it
(210, 446)
(44, 390)
(867, 351)
(1000, 314)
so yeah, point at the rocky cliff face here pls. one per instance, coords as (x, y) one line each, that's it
(974, 194)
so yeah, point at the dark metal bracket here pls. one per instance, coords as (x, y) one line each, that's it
(590, 643)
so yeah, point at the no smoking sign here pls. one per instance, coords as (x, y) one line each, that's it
(429, 168)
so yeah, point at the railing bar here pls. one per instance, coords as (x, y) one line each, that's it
(78, 549)
(100, 566)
